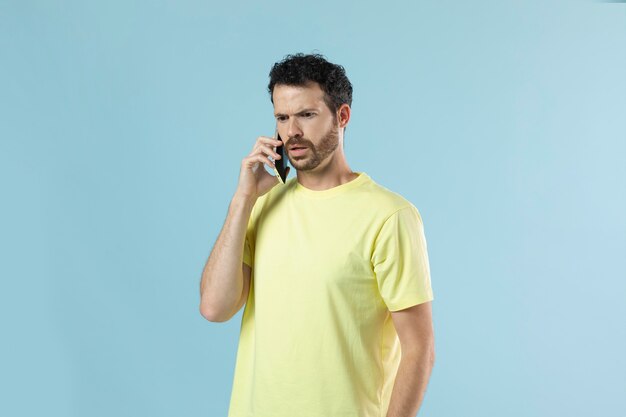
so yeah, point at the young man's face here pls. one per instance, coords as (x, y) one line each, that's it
(304, 120)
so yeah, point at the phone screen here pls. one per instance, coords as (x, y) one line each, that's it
(281, 164)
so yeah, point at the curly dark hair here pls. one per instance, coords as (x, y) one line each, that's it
(300, 69)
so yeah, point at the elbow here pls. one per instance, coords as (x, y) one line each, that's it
(212, 316)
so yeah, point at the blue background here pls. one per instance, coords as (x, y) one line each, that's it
(123, 125)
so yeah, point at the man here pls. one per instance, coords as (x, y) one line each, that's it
(332, 267)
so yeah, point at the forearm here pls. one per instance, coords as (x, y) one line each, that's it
(222, 278)
(410, 383)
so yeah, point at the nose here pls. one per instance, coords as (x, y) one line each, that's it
(293, 130)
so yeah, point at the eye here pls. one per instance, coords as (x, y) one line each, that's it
(281, 118)
(309, 114)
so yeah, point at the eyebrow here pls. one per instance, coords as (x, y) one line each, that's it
(300, 112)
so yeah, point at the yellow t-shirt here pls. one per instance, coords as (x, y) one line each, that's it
(317, 338)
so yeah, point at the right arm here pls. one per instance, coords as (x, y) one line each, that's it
(225, 278)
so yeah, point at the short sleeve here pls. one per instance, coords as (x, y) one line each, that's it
(400, 260)
(249, 239)
(247, 252)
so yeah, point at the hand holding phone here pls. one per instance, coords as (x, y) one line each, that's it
(254, 180)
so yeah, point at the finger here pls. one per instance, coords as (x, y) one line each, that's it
(269, 151)
(264, 140)
(256, 158)
(265, 159)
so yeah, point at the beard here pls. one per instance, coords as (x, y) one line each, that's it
(316, 154)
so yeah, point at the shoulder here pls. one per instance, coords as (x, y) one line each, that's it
(386, 201)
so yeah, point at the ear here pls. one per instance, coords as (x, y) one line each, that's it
(343, 115)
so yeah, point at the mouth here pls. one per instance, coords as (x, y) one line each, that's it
(298, 151)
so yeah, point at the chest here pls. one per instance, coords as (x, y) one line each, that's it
(314, 251)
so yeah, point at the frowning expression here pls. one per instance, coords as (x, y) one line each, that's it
(306, 125)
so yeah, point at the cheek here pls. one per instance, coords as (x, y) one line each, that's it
(321, 126)
(282, 131)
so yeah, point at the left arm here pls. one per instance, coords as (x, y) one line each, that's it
(415, 331)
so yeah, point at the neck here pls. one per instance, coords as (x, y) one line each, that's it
(335, 172)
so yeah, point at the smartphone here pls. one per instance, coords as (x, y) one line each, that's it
(280, 168)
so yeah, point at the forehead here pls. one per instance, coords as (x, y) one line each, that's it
(290, 98)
